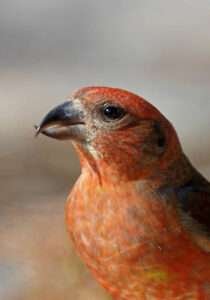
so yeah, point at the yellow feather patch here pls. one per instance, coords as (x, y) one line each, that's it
(157, 275)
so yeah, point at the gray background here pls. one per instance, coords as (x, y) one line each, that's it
(157, 48)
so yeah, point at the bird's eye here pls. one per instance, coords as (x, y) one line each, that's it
(112, 112)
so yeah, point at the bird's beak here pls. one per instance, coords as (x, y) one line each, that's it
(65, 121)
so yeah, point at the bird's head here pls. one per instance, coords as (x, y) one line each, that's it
(118, 132)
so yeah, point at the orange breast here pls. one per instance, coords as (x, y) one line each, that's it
(133, 243)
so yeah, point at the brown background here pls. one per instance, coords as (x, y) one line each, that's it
(159, 49)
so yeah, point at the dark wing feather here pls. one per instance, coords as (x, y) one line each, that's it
(194, 199)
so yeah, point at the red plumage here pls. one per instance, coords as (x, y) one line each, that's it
(139, 214)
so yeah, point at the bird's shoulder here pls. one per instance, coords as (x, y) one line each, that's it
(194, 199)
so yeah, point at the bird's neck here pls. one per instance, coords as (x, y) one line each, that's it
(175, 173)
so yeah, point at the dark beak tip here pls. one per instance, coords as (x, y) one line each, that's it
(38, 130)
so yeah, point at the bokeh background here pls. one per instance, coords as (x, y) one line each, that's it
(158, 48)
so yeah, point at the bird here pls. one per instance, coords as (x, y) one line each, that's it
(139, 213)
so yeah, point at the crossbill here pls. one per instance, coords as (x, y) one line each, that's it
(139, 214)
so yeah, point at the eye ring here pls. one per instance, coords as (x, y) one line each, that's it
(112, 112)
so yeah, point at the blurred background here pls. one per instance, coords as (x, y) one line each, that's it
(158, 48)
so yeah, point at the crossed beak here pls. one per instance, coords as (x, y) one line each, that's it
(65, 121)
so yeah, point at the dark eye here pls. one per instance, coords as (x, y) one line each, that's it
(112, 112)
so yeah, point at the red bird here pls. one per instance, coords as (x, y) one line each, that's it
(139, 214)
